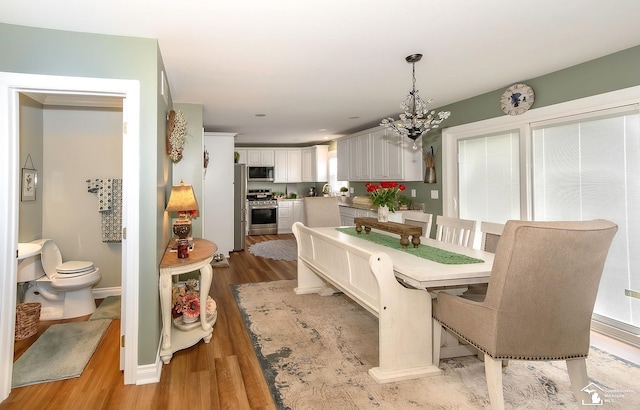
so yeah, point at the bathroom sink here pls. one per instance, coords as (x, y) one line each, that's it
(28, 249)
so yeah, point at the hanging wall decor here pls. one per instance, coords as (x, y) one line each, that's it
(430, 167)
(29, 181)
(176, 133)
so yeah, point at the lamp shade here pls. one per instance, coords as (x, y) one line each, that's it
(182, 200)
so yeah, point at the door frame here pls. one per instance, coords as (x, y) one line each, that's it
(11, 85)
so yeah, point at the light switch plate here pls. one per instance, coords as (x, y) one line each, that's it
(413, 193)
(434, 194)
(351, 190)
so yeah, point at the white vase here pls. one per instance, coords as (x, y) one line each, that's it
(187, 319)
(383, 213)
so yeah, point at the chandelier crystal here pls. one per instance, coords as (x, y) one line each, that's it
(417, 119)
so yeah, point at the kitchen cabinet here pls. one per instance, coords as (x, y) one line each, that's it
(379, 154)
(315, 163)
(242, 159)
(289, 212)
(261, 157)
(288, 165)
(342, 157)
(347, 215)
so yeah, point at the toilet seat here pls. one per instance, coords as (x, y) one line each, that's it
(55, 268)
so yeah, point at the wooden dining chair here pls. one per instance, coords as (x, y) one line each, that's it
(321, 211)
(491, 233)
(418, 218)
(539, 302)
(455, 230)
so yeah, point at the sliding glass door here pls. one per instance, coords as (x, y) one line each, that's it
(582, 167)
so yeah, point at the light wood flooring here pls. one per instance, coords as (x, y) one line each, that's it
(223, 374)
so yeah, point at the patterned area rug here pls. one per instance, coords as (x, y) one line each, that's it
(282, 249)
(315, 352)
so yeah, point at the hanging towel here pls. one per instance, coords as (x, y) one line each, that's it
(104, 189)
(109, 192)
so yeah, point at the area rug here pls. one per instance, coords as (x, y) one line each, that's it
(315, 352)
(62, 352)
(282, 249)
(109, 308)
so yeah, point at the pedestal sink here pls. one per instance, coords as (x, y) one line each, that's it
(28, 249)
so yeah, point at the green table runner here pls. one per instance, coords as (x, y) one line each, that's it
(422, 251)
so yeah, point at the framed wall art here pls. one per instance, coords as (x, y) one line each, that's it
(29, 184)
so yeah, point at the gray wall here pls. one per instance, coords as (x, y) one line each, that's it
(609, 73)
(53, 52)
(31, 156)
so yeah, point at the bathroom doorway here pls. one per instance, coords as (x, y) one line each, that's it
(127, 91)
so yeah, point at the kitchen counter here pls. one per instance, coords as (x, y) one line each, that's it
(357, 202)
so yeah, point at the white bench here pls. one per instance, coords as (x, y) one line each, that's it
(367, 277)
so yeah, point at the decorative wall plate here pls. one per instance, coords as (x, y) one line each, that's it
(517, 99)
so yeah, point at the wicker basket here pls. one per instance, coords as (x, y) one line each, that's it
(27, 317)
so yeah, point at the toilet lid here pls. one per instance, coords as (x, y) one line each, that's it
(74, 267)
(50, 257)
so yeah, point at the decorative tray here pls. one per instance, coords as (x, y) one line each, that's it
(179, 322)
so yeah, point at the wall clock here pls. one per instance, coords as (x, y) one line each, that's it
(517, 99)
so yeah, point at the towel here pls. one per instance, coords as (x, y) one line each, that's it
(109, 192)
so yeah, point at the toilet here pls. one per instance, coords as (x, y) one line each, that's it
(63, 289)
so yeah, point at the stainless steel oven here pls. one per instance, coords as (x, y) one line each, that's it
(263, 212)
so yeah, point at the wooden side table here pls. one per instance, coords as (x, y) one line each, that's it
(404, 230)
(200, 257)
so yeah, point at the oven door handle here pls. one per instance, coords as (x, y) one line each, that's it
(264, 207)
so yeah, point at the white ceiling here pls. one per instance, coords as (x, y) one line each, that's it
(320, 69)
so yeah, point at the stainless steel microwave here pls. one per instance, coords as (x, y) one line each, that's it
(259, 173)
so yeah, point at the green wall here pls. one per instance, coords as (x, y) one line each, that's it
(53, 52)
(609, 73)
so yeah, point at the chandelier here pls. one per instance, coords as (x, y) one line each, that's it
(417, 119)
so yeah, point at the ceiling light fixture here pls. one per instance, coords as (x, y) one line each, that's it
(417, 119)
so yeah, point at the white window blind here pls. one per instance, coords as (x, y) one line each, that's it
(588, 167)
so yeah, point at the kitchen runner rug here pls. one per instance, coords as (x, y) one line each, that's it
(62, 352)
(422, 251)
(315, 352)
(282, 249)
(109, 308)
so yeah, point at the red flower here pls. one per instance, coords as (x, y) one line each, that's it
(385, 194)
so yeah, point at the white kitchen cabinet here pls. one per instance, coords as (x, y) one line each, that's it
(261, 157)
(288, 165)
(379, 154)
(347, 215)
(290, 211)
(216, 208)
(315, 161)
(343, 156)
(298, 211)
(242, 159)
(285, 216)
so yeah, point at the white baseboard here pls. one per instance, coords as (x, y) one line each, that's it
(101, 293)
(150, 373)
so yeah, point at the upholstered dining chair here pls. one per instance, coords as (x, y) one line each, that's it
(539, 302)
(455, 230)
(418, 218)
(321, 211)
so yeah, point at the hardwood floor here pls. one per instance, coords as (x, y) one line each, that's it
(223, 374)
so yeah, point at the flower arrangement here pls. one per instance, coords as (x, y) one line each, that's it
(188, 305)
(385, 194)
(177, 137)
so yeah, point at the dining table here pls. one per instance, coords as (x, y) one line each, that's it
(393, 284)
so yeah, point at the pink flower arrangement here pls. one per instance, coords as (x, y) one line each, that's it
(188, 305)
(385, 194)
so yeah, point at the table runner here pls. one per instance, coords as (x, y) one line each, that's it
(422, 251)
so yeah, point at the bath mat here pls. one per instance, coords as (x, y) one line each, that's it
(62, 352)
(108, 309)
(283, 249)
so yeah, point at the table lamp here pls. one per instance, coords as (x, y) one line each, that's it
(182, 201)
